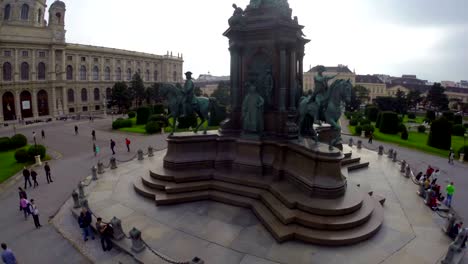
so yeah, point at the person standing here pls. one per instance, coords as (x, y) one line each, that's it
(112, 145)
(34, 137)
(84, 220)
(22, 194)
(450, 192)
(26, 175)
(43, 134)
(76, 130)
(93, 134)
(7, 255)
(451, 156)
(47, 171)
(106, 232)
(24, 203)
(34, 177)
(127, 143)
(371, 137)
(94, 149)
(35, 214)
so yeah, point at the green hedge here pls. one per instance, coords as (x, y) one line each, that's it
(5, 144)
(440, 135)
(152, 127)
(21, 156)
(389, 122)
(143, 113)
(121, 123)
(18, 141)
(217, 115)
(368, 129)
(404, 134)
(371, 112)
(37, 150)
(411, 115)
(430, 115)
(132, 114)
(160, 119)
(449, 115)
(458, 119)
(459, 130)
(353, 122)
(358, 130)
(159, 109)
(421, 129)
(187, 121)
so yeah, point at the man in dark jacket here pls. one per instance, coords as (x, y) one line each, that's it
(84, 220)
(47, 172)
(26, 175)
(34, 177)
(112, 145)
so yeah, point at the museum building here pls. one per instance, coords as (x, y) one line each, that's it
(44, 77)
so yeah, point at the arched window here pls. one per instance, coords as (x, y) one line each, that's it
(59, 17)
(118, 74)
(155, 76)
(107, 74)
(95, 73)
(139, 72)
(24, 71)
(147, 76)
(41, 71)
(25, 12)
(7, 12)
(69, 73)
(71, 96)
(6, 71)
(97, 94)
(83, 73)
(129, 74)
(39, 16)
(84, 95)
(108, 94)
(174, 76)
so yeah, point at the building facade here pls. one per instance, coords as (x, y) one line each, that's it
(43, 77)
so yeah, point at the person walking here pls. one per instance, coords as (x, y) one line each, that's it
(94, 149)
(34, 178)
(47, 171)
(371, 137)
(105, 231)
(451, 156)
(84, 220)
(112, 145)
(450, 192)
(127, 143)
(43, 134)
(26, 175)
(22, 194)
(24, 203)
(34, 137)
(93, 134)
(76, 130)
(8, 257)
(35, 214)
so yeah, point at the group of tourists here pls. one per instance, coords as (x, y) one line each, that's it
(28, 207)
(105, 230)
(29, 174)
(432, 190)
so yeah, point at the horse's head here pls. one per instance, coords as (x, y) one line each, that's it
(346, 90)
(340, 90)
(168, 90)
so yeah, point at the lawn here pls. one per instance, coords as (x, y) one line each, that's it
(140, 129)
(9, 165)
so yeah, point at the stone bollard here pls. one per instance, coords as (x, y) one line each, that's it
(197, 260)
(137, 243)
(381, 150)
(394, 156)
(76, 199)
(422, 191)
(81, 190)
(403, 166)
(390, 153)
(117, 226)
(455, 251)
(84, 203)
(113, 163)
(94, 173)
(150, 151)
(38, 160)
(100, 167)
(363, 134)
(449, 224)
(462, 157)
(359, 144)
(140, 155)
(351, 142)
(407, 171)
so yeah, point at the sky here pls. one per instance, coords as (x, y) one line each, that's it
(428, 38)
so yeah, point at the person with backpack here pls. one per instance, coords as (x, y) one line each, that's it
(84, 220)
(24, 203)
(106, 231)
(34, 178)
(35, 213)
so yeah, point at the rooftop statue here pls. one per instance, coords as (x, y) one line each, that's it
(275, 3)
(236, 16)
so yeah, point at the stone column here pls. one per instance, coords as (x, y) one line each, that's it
(16, 75)
(17, 105)
(235, 87)
(33, 66)
(64, 65)
(76, 68)
(34, 103)
(54, 102)
(282, 95)
(53, 75)
(65, 100)
(292, 88)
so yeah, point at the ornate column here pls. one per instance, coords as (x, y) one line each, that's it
(65, 100)
(64, 66)
(34, 103)
(16, 75)
(235, 74)
(54, 102)
(293, 76)
(33, 66)
(282, 97)
(53, 75)
(17, 105)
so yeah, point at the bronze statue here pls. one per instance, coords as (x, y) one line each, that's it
(321, 88)
(267, 83)
(189, 96)
(252, 111)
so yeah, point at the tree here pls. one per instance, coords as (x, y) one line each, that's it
(354, 103)
(437, 98)
(121, 96)
(386, 103)
(400, 101)
(413, 98)
(362, 93)
(137, 89)
(197, 91)
(152, 94)
(222, 94)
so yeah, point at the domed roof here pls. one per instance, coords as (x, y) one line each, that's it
(58, 3)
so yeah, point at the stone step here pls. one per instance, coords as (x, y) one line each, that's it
(347, 161)
(358, 166)
(283, 213)
(347, 154)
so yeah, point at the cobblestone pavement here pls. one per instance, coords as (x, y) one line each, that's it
(75, 158)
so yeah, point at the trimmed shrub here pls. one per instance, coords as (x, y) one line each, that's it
(449, 115)
(132, 114)
(464, 150)
(440, 135)
(411, 115)
(18, 141)
(152, 127)
(159, 109)
(458, 119)
(430, 115)
(121, 123)
(404, 134)
(358, 130)
(389, 122)
(368, 129)
(458, 130)
(21, 156)
(401, 128)
(421, 129)
(364, 122)
(143, 113)
(348, 114)
(36, 150)
(465, 125)
(372, 112)
(5, 143)
(377, 122)
(160, 119)
(187, 121)
(353, 122)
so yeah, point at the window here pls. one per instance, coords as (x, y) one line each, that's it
(7, 53)
(85, 109)
(25, 12)
(41, 54)
(70, 96)
(69, 73)
(41, 71)
(118, 74)
(95, 73)
(96, 60)
(71, 110)
(108, 93)
(39, 16)
(24, 71)
(138, 64)
(83, 59)
(6, 71)
(129, 74)
(69, 58)
(147, 76)
(97, 94)
(25, 53)
(174, 76)
(59, 17)
(84, 95)
(139, 72)
(118, 61)
(155, 76)
(7, 12)
(83, 73)
(107, 61)
(107, 74)
(97, 107)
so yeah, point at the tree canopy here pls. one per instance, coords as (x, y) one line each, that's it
(413, 98)
(437, 98)
(137, 89)
(121, 96)
(222, 94)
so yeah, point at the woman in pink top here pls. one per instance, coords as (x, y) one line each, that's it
(24, 206)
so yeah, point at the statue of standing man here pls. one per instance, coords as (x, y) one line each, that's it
(252, 111)
(189, 97)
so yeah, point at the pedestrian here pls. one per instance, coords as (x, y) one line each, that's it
(455, 230)
(450, 192)
(34, 177)
(435, 176)
(94, 149)
(76, 130)
(418, 177)
(371, 137)
(7, 255)
(24, 203)
(35, 214)
(34, 137)
(43, 134)
(112, 145)
(47, 171)
(429, 171)
(26, 175)
(106, 232)
(127, 143)
(84, 220)
(451, 156)
(93, 134)
(22, 194)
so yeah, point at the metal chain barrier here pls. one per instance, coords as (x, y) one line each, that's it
(163, 257)
(130, 159)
